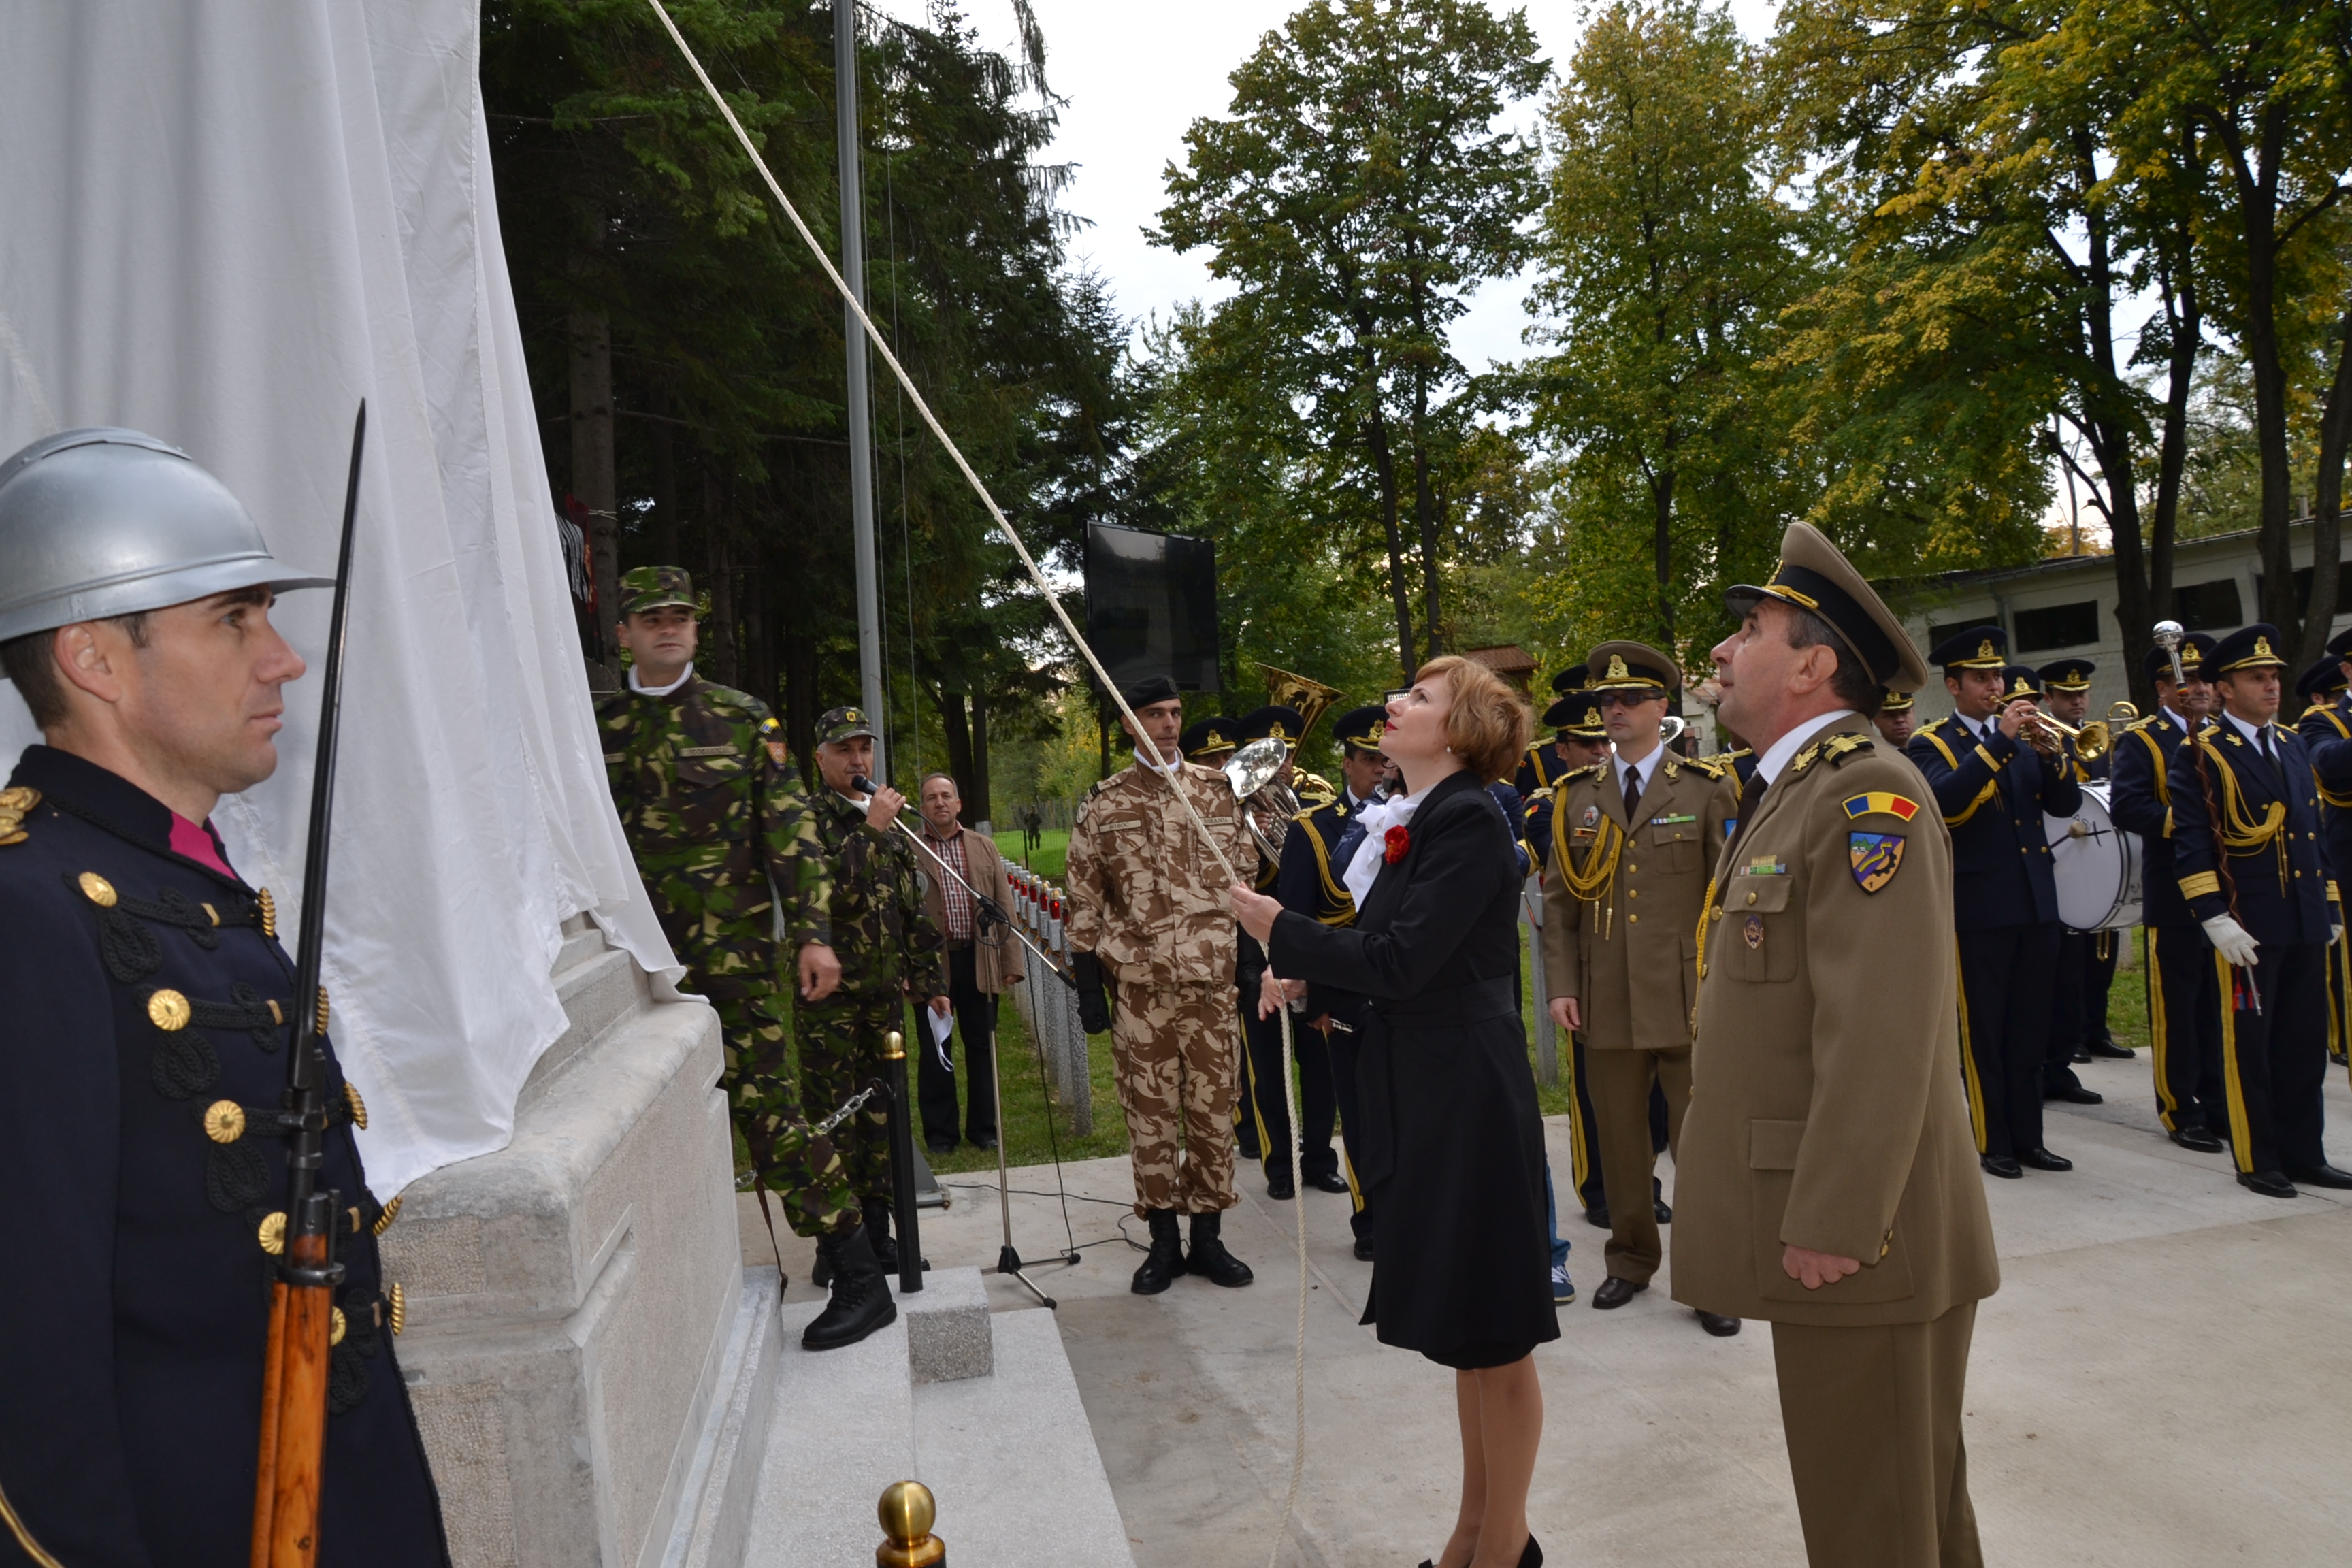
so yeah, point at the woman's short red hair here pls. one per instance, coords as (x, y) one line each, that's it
(1489, 725)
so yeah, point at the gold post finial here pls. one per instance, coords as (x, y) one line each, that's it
(907, 1511)
(894, 1046)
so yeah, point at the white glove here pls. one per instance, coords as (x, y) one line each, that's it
(2230, 941)
(2335, 935)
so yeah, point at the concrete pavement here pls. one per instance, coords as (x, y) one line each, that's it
(2161, 1380)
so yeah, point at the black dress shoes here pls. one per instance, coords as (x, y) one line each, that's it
(936, 1147)
(1280, 1187)
(1663, 1210)
(2043, 1159)
(1716, 1323)
(1329, 1182)
(2111, 1050)
(2000, 1165)
(2196, 1138)
(1363, 1249)
(2075, 1094)
(1615, 1292)
(1597, 1216)
(2320, 1177)
(2270, 1184)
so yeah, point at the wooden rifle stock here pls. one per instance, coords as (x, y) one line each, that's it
(289, 1475)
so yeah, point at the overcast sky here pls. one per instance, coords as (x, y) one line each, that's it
(1136, 75)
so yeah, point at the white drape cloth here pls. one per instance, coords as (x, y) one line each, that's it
(224, 224)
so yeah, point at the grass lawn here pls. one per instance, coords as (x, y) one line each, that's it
(1053, 846)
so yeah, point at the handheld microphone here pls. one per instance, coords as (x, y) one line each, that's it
(862, 784)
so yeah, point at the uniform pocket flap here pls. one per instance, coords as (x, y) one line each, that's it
(1773, 1145)
(1763, 895)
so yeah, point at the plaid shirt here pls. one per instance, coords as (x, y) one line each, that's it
(955, 897)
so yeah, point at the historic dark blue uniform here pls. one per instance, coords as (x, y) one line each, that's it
(2326, 731)
(1308, 881)
(2184, 1000)
(147, 1009)
(2086, 960)
(1993, 793)
(2265, 835)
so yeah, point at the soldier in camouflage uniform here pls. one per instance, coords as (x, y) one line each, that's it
(1149, 921)
(889, 949)
(722, 834)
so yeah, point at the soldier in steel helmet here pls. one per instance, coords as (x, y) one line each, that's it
(144, 1020)
(728, 851)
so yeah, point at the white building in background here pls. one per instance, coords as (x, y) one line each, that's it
(2066, 604)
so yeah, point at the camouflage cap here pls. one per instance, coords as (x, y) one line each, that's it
(835, 725)
(646, 588)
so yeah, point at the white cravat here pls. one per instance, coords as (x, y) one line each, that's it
(1372, 854)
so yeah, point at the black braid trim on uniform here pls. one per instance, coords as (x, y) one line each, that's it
(245, 1009)
(184, 1065)
(347, 1369)
(174, 908)
(235, 1175)
(127, 946)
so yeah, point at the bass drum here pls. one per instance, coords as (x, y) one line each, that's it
(2097, 866)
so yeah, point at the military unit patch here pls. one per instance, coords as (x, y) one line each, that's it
(1876, 857)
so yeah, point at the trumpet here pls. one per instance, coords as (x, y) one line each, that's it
(2091, 742)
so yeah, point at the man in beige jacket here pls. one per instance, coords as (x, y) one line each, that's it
(984, 958)
(1632, 839)
(1827, 1179)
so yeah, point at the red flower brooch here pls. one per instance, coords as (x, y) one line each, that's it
(1397, 841)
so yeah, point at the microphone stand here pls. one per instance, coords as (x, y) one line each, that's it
(986, 912)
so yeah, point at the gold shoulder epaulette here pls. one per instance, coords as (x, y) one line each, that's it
(1835, 748)
(1589, 771)
(15, 801)
(1533, 795)
(1708, 765)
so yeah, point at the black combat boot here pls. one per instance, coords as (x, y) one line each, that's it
(861, 1297)
(877, 1231)
(1166, 1258)
(1207, 1256)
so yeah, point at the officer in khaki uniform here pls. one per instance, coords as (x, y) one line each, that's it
(1826, 1179)
(1154, 947)
(1632, 839)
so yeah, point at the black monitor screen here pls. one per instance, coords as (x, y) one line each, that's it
(1151, 606)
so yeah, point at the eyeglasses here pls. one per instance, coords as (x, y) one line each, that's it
(1628, 698)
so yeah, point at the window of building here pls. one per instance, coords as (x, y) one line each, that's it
(2208, 607)
(2057, 625)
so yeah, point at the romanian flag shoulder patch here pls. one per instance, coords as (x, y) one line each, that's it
(1884, 803)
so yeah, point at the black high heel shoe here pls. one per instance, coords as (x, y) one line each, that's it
(1530, 1557)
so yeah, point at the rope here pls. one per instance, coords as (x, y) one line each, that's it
(1173, 774)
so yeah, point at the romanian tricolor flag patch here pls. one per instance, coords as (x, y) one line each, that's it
(1884, 801)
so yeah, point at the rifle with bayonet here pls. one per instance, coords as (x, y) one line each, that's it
(294, 1369)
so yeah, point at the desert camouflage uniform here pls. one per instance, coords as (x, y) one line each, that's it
(888, 947)
(712, 806)
(1148, 899)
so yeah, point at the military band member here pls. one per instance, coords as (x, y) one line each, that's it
(1210, 741)
(890, 951)
(1993, 776)
(2246, 850)
(1545, 760)
(1898, 717)
(1154, 942)
(2067, 687)
(1822, 1180)
(2183, 994)
(2327, 721)
(1310, 883)
(1632, 843)
(710, 802)
(1318, 1162)
(146, 1010)
(2066, 695)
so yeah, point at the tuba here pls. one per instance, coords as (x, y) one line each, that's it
(1309, 697)
(1267, 805)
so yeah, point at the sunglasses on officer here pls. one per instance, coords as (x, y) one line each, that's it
(1627, 699)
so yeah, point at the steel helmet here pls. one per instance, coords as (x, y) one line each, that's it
(102, 521)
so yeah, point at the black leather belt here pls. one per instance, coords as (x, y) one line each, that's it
(1472, 1004)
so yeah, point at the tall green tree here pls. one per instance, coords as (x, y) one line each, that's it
(1668, 249)
(1357, 193)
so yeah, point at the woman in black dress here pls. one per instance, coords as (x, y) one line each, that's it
(1454, 1151)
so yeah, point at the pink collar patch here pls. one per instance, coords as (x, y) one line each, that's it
(191, 842)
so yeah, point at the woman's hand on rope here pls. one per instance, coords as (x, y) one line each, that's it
(1270, 994)
(1567, 1013)
(1255, 910)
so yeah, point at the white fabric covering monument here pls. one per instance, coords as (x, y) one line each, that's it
(224, 224)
